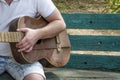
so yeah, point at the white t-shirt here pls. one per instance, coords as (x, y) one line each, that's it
(19, 8)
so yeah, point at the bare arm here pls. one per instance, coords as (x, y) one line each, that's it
(56, 25)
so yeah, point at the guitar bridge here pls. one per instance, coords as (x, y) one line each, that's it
(58, 43)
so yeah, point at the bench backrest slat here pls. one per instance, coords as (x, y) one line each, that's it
(92, 21)
(95, 43)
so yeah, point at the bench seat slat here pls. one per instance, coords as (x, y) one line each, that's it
(6, 76)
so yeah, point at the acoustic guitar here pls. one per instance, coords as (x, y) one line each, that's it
(52, 51)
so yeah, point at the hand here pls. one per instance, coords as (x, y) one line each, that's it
(29, 40)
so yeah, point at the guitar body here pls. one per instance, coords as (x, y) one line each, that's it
(53, 51)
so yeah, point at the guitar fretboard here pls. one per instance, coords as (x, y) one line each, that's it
(11, 36)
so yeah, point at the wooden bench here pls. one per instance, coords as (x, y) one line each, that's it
(95, 49)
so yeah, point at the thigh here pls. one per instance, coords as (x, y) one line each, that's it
(19, 72)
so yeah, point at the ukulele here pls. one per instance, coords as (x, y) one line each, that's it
(54, 51)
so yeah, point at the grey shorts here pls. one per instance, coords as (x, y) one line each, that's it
(18, 72)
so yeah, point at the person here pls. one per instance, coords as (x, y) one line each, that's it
(12, 9)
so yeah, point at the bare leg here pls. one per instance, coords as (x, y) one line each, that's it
(34, 77)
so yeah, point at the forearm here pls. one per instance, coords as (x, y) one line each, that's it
(51, 30)
(56, 25)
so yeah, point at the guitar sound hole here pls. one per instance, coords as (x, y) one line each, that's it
(39, 41)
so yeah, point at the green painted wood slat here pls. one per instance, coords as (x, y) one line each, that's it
(94, 62)
(95, 43)
(92, 21)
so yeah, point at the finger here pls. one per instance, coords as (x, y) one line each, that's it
(22, 43)
(28, 50)
(24, 48)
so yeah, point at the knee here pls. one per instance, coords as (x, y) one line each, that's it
(34, 77)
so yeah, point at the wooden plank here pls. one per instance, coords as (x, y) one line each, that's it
(91, 62)
(108, 53)
(93, 32)
(77, 74)
(97, 43)
(92, 21)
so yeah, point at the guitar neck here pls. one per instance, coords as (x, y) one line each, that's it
(11, 36)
